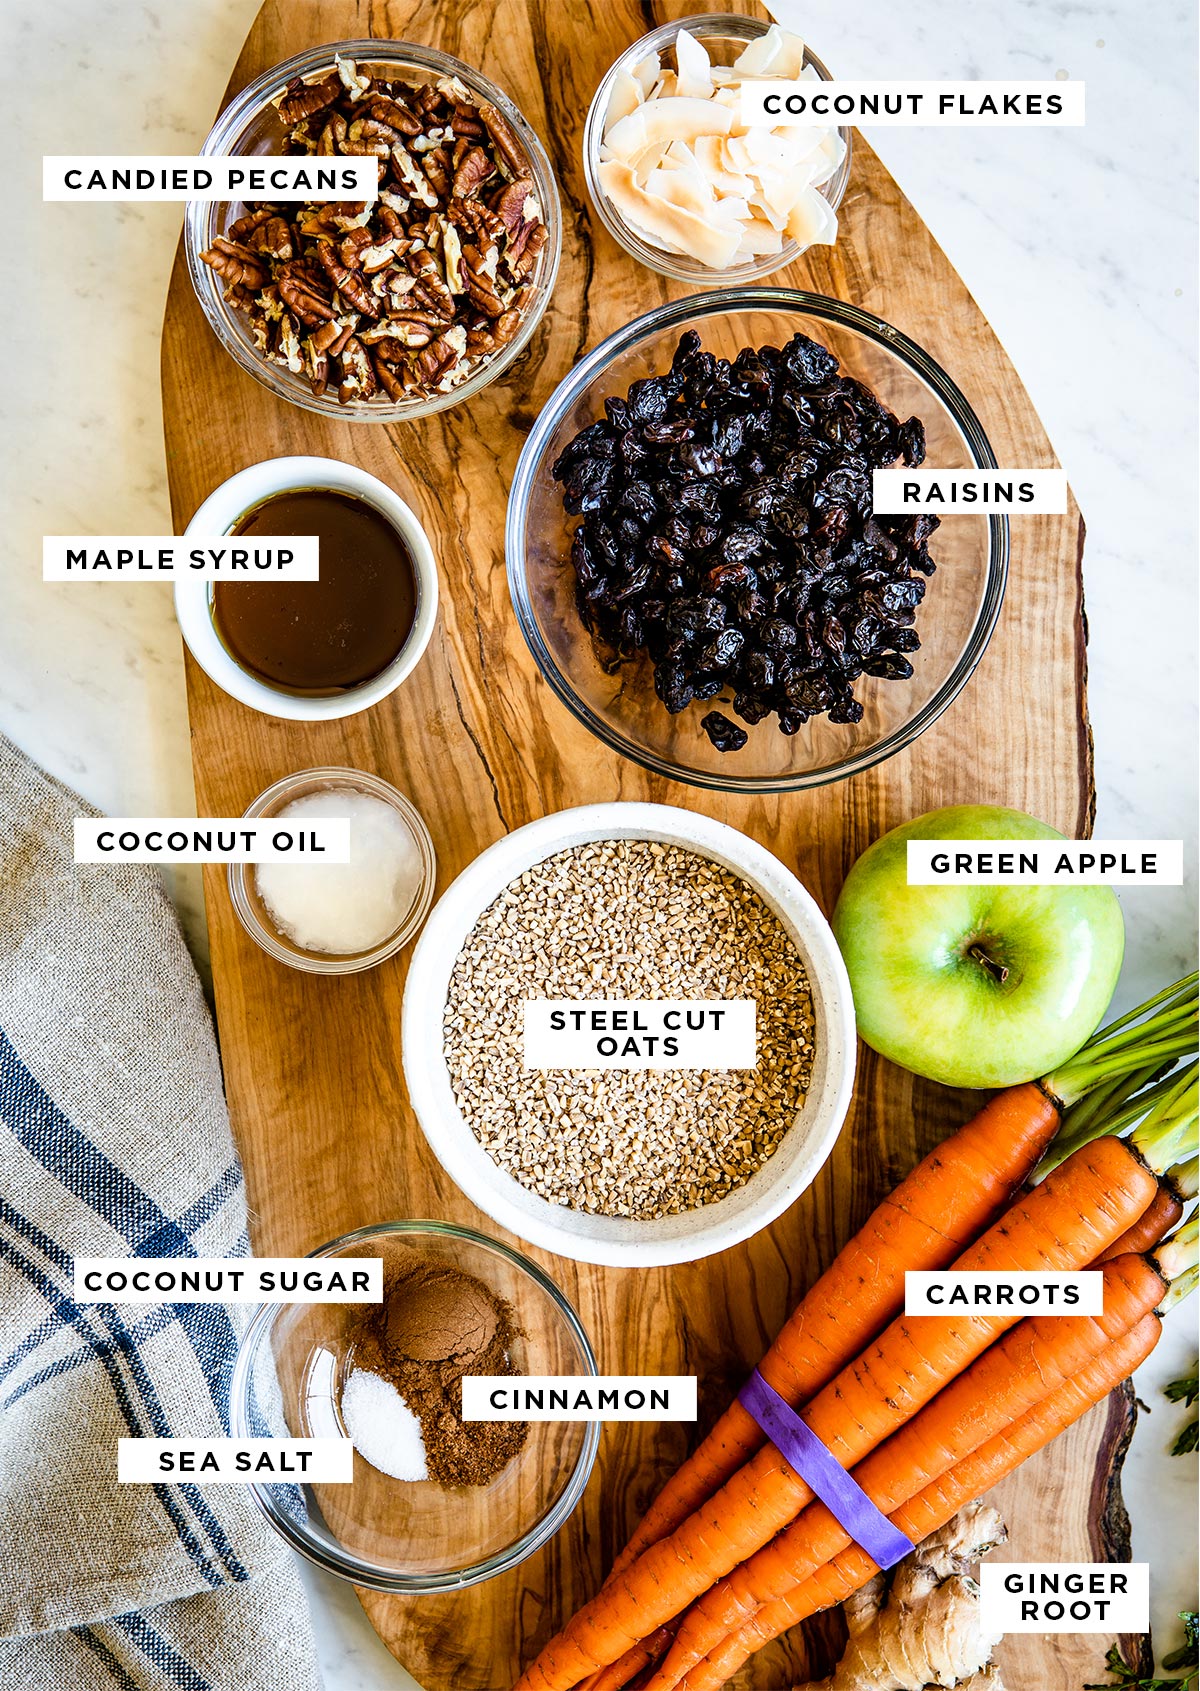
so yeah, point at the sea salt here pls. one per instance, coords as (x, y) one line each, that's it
(382, 1428)
(345, 907)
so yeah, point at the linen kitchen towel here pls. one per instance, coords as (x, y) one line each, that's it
(114, 1141)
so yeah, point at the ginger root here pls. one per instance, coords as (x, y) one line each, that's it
(917, 1629)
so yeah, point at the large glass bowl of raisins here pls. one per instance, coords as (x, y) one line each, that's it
(693, 555)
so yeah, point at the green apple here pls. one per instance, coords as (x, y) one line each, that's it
(975, 986)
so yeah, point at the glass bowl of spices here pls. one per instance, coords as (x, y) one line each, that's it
(694, 555)
(436, 1503)
(628, 1163)
(677, 188)
(311, 650)
(395, 308)
(338, 918)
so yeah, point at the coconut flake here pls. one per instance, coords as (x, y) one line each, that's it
(664, 224)
(688, 175)
(694, 69)
(627, 95)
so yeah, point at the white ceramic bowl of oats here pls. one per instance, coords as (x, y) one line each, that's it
(628, 901)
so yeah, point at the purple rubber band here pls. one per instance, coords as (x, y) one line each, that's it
(839, 1491)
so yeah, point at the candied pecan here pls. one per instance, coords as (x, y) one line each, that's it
(504, 140)
(386, 108)
(236, 265)
(405, 333)
(274, 237)
(510, 207)
(318, 368)
(388, 378)
(302, 292)
(355, 83)
(358, 373)
(322, 338)
(350, 286)
(382, 137)
(464, 121)
(351, 246)
(522, 262)
(378, 257)
(245, 226)
(471, 174)
(479, 286)
(332, 139)
(495, 334)
(436, 165)
(302, 99)
(430, 288)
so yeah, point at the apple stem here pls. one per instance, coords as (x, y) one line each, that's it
(997, 970)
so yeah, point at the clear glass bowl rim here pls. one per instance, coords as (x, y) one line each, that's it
(674, 314)
(677, 265)
(342, 1562)
(334, 963)
(224, 135)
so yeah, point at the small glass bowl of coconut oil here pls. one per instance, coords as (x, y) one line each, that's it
(339, 918)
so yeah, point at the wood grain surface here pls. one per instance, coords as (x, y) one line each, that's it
(313, 1067)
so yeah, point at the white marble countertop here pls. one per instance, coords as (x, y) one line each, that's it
(1078, 245)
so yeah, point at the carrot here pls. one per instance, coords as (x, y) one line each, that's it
(628, 1666)
(935, 1505)
(1062, 1224)
(1162, 1213)
(930, 1218)
(945, 1203)
(1013, 1376)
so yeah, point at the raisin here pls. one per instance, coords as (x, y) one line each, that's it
(726, 736)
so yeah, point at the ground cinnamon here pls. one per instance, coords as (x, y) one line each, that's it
(436, 1324)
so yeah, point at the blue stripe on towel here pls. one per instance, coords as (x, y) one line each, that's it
(160, 1317)
(101, 1650)
(69, 1312)
(148, 1231)
(154, 1646)
(203, 1210)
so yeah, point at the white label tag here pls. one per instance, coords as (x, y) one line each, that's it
(234, 1461)
(211, 839)
(902, 493)
(637, 1033)
(119, 177)
(122, 1280)
(1045, 863)
(162, 557)
(579, 1397)
(1064, 1597)
(994, 1293)
(903, 104)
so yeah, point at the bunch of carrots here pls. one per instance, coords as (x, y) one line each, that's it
(1094, 1166)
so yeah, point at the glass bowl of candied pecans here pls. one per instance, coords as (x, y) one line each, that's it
(394, 308)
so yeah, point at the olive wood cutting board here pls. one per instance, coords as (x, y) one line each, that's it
(312, 1066)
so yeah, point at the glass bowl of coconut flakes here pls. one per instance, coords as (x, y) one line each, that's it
(686, 188)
